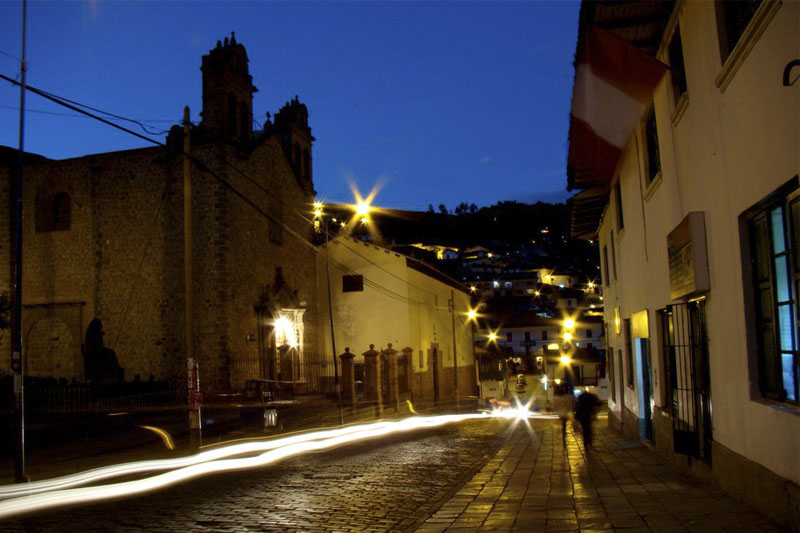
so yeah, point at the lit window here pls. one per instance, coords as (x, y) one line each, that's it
(774, 249)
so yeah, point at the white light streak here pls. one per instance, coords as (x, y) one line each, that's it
(54, 493)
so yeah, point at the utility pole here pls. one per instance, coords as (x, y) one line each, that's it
(195, 427)
(336, 382)
(17, 361)
(455, 351)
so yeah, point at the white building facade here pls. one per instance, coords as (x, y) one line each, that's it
(388, 300)
(699, 235)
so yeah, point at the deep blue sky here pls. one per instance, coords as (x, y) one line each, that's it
(442, 101)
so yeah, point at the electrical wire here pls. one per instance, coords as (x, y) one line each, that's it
(9, 55)
(76, 106)
(55, 113)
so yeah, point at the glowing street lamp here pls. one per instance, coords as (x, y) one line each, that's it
(472, 314)
(567, 336)
(565, 360)
(569, 324)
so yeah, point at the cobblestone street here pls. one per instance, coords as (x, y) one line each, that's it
(375, 485)
(470, 476)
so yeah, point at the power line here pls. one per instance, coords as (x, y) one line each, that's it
(70, 104)
(9, 55)
(28, 110)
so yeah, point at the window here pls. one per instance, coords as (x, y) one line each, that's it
(606, 279)
(618, 201)
(588, 333)
(651, 140)
(613, 257)
(544, 334)
(53, 212)
(509, 337)
(732, 19)
(772, 228)
(231, 114)
(527, 336)
(611, 376)
(353, 283)
(245, 122)
(629, 353)
(677, 67)
(306, 165)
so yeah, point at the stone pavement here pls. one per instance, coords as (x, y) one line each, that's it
(537, 482)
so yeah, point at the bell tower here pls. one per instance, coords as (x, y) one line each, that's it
(227, 94)
(291, 124)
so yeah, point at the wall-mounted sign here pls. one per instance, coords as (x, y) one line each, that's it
(688, 259)
(640, 326)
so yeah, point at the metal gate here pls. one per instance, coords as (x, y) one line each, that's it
(687, 378)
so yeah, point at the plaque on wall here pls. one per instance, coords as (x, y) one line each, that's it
(688, 259)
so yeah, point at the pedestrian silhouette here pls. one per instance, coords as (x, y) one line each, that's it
(563, 404)
(584, 413)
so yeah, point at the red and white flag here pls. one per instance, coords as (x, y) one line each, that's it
(614, 82)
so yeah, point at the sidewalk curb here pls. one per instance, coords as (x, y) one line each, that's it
(413, 522)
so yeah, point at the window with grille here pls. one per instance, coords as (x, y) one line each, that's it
(53, 212)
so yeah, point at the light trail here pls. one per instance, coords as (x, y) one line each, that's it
(138, 467)
(166, 438)
(61, 497)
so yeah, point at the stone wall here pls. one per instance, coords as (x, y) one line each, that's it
(121, 260)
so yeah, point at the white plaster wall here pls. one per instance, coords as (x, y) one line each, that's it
(433, 322)
(373, 316)
(727, 152)
(409, 310)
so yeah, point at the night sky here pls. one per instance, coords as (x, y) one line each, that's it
(441, 102)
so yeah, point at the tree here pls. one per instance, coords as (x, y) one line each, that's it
(430, 208)
(473, 208)
(442, 209)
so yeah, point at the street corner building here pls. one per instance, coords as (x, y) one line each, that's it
(400, 327)
(104, 275)
(683, 152)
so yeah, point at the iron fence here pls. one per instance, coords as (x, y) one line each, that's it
(45, 395)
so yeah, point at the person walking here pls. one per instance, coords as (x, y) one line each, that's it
(563, 404)
(584, 413)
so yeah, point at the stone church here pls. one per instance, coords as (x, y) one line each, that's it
(103, 247)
